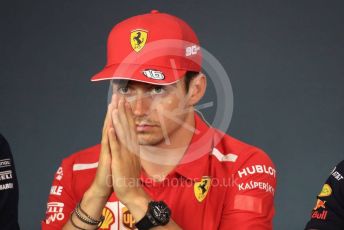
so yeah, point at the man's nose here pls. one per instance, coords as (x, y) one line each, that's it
(141, 105)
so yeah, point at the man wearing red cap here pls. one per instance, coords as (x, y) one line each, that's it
(159, 165)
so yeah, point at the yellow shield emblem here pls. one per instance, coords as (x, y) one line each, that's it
(201, 188)
(138, 39)
(109, 219)
(325, 191)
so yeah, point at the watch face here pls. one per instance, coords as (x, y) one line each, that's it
(160, 212)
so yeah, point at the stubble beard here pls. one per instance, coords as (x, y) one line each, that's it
(150, 139)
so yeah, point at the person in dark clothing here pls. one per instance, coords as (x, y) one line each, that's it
(328, 213)
(8, 188)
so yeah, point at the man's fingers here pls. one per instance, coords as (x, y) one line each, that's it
(114, 146)
(117, 125)
(105, 148)
(117, 117)
(123, 118)
(124, 124)
(106, 120)
(104, 164)
(106, 126)
(131, 121)
(114, 100)
(120, 122)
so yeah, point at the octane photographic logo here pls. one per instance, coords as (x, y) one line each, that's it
(220, 107)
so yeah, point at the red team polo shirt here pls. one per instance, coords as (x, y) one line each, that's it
(227, 185)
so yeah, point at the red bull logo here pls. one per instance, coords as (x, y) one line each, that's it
(319, 204)
(319, 215)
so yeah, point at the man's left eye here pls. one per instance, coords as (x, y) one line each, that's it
(158, 90)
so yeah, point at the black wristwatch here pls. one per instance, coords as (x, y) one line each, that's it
(157, 214)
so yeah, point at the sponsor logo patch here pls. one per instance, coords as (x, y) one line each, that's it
(201, 188)
(5, 163)
(319, 211)
(54, 212)
(319, 204)
(319, 215)
(336, 174)
(138, 39)
(6, 175)
(6, 186)
(257, 185)
(59, 173)
(154, 74)
(128, 219)
(325, 191)
(191, 50)
(56, 190)
(109, 219)
(262, 169)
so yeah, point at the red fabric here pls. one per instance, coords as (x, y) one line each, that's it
(248, 203)
(167, 45)
(240, 196)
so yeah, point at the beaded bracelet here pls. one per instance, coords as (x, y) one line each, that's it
(94, 222)
(87, 220)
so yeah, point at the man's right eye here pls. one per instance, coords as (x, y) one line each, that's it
(123, 90)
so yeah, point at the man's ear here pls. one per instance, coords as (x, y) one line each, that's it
(197, 87)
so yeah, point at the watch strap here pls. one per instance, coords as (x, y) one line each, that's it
(146, 222)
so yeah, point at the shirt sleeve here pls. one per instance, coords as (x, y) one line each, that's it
(328, 212)
(250, 200)
(61, 200)
(8, 188)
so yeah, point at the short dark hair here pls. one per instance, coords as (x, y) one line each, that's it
(189, 75)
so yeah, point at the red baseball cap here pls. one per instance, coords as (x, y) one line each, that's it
(155, 48)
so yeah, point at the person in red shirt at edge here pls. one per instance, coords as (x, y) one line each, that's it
(159, 164)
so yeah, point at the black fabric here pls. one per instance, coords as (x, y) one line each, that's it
(328, 212)
(8, 189)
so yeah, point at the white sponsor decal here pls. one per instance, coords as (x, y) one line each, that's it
(6, 186)
(56, 190)
(191, 50)
(259, 185)
(6, 175)
(336, 174)
(55, 209)
(154, 74)
(5, 163)
(59, 173)
(257, 169)
(78, 167)
(221, 157)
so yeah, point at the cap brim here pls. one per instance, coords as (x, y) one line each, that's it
(135, 73)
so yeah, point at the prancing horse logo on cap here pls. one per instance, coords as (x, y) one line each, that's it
(138, 39)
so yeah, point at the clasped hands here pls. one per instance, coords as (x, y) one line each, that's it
(119, 162)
